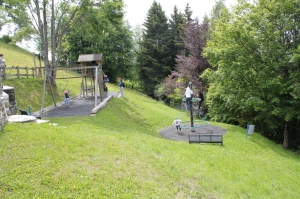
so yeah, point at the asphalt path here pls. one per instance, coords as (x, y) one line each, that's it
(78, 106)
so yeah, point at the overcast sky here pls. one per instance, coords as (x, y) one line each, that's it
(136, 10)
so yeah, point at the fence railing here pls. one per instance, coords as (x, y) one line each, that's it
(22, 72)
(11, 72)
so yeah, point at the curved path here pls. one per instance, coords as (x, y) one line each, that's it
(170, 132)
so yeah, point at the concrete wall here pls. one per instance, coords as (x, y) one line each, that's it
(8, 105)
(13, 109)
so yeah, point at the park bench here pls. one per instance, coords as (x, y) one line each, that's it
(206, 139)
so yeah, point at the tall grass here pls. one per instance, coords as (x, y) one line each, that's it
(119, 154)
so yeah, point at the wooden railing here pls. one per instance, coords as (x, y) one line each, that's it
(22, 72)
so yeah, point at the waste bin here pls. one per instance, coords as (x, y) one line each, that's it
(251, 129)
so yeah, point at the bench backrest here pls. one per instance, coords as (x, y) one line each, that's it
(206, 138)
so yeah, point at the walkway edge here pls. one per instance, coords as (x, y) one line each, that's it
(100, 106)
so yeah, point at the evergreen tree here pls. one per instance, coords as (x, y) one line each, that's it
(177, 26)
(155, 58)
(187, 13)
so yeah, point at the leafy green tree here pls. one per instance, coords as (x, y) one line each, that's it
(46, 20)
(257, 80)
(117, 48)
(102, 31)
(155, 58)
(218, 10)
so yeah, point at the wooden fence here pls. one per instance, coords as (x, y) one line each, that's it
(22, 72)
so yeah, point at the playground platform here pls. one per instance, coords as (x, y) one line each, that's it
(78, 106)
(170, 132)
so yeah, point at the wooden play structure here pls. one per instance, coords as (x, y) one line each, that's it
(91, 77)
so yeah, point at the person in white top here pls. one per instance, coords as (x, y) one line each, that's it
(2, 60)
(177, 123)
(2, 64)
(188, 96)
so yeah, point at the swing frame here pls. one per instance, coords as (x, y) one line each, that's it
(98, 77)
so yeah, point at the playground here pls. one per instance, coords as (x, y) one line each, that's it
(198, 130)
(78, 106)
(170, 132)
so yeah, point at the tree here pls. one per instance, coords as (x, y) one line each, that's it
(189, 68)
(154, 58)
(176, 26)
(35, 17)
(117, 49)
(187, 13)
(256, 80)
(102, 31)
(48, 20)
(217, 12)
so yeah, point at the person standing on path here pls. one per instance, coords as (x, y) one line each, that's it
(67, 99)
(122, 85)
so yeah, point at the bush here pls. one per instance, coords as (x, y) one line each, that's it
(6, 39)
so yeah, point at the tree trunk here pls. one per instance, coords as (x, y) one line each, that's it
(285, 137)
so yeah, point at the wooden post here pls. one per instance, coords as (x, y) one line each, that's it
(26, 71)
(34, 65)
(18, 72)
(43, 96)
(50, 86)
(101, 87)
(33, 70)
(96, 90)
(4, 73)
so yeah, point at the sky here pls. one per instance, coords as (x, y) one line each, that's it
(136, 10)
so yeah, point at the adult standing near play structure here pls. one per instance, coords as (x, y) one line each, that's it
(201, 97)
(2, 65)
(2, 60)
(188, 96)
(122, 85)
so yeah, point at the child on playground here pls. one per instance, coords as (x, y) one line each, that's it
(67, 99)
(177, 123)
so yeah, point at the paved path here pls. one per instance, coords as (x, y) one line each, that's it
(170, 132)
(79, 106)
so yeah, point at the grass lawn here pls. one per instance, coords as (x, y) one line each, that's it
(16, 56)
(119, 154)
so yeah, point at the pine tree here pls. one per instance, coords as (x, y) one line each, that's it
(155, 58)
(177, 26)
(187, 13)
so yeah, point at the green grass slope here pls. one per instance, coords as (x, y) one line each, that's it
(16, 56)
(29, 92)
(119, 154)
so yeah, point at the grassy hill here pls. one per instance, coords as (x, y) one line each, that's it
(119, 154)
(29, 91)
(16, 56)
